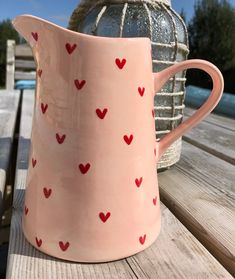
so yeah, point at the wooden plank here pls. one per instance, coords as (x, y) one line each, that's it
(200, 191)
(176, 253)
(25, 64)
(23, 51)
(215, 139)
(9, 102)
(10, 67)
(25, 75)
(215, 119)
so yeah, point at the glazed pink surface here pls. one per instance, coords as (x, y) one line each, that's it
(92, 192)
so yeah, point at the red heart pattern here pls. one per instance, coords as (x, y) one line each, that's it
(155, 201)
(142, 239)
(64, 246)
(35, 36)
(128, 139)
(84, 168)
(34, 162)
(138, 182)
(38, 242)
(44, 108)
(47, 192)
(101, 113)
(104, 217)
(141, 91)
(70, 48)
(40, 72)
(60, 139)
(26, 210)
(79, 84)
(120, 63)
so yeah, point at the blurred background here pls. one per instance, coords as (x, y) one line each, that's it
(210, 23)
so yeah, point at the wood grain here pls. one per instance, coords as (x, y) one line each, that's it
(215, 119)
(176, 253)
(25, 75)
(9, 102)
(200, 191)
(10, 65)
(218, 140)
(19, 61)
(25, 64)
(23, 51)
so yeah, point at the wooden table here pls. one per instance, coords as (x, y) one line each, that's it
(197, 239)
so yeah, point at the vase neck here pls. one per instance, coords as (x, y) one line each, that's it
(166, 2)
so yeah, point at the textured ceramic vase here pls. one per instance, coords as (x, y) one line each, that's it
(92, 193)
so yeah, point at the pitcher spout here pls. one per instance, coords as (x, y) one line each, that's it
(28, 27)
(41, 35)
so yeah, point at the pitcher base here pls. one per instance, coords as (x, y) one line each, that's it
(148, 241)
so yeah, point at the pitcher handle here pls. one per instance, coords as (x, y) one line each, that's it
(218, 85)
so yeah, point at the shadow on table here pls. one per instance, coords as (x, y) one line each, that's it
(5, 152)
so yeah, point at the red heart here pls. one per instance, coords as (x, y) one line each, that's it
(35, 35)
(142, 239)
(127, 139)
(47, 192)
(60, 139)
(155, 201)
(153, 113)
(38, 241)
(120, 63)
(79, 84)
(44, 107)
(138, 181)
(141, 91)
(84, 168)
(64, 246)
(26, 210)
(70, 48)
(40, 72)
(104, 217)
(34, 162)
(101, 114)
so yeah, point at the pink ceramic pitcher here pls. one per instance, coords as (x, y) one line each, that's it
(92, 192)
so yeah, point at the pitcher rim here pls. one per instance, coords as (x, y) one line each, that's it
(88, 36)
